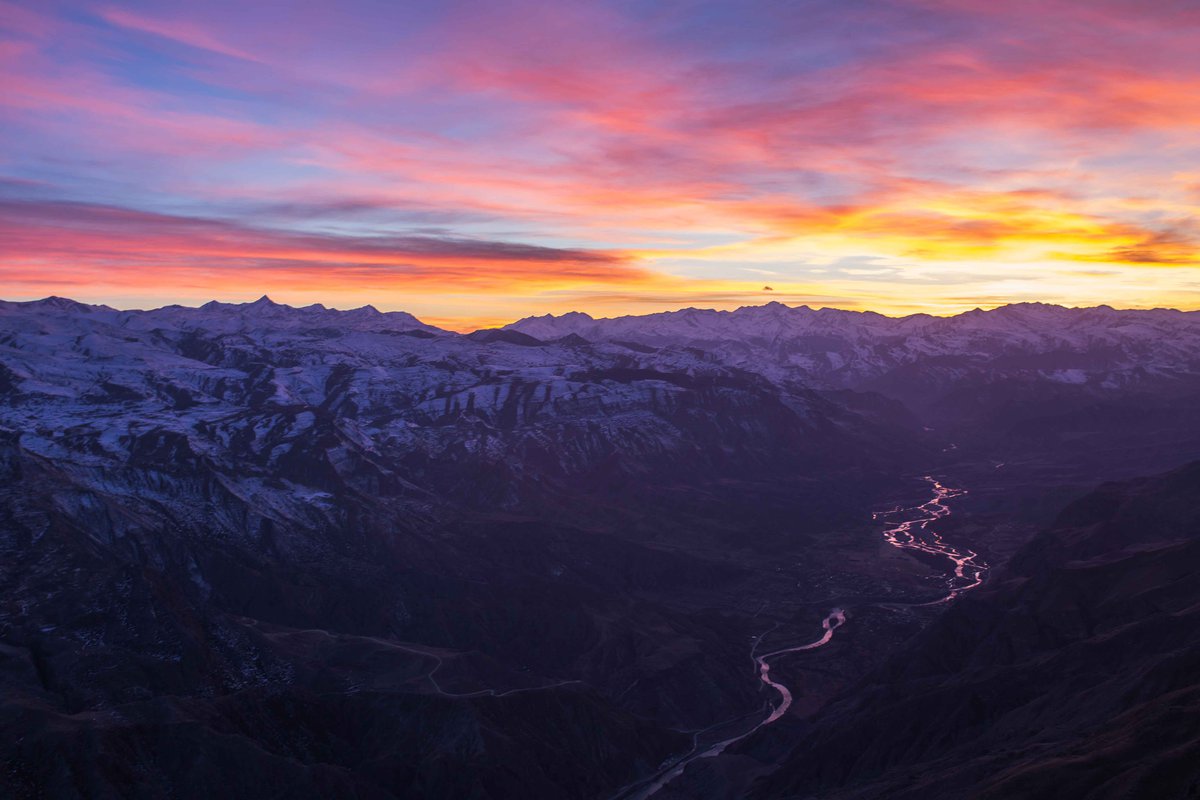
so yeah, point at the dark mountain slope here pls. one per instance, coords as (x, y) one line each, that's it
(1076, 674)
(287, 552)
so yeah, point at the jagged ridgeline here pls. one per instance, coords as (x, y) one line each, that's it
(260, 550)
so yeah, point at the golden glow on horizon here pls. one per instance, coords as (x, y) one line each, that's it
(159, 155)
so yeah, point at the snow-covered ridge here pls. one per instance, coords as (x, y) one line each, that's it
(838, 348)
(283, 404)
(223, 317)
(821, 348)
(280, 407)
(1028, 320)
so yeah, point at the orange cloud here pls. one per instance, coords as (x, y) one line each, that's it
(84, 242)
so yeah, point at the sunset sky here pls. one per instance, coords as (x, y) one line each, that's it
(477, 162)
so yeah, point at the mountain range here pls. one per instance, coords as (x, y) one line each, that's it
(274, 551)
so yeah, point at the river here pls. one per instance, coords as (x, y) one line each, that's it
(908, 528)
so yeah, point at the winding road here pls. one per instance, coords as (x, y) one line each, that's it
(909, 530)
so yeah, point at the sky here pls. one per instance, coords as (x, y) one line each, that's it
(477, 162)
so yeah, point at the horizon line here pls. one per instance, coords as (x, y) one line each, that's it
(266, 300)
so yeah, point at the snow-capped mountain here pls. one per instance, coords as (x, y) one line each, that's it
(847, 349)
(552, 399)
(321, 399)
(216, 317)
(282, 537)
(212, 517)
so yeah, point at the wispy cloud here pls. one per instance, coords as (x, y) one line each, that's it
(530, 152)
(93, 239)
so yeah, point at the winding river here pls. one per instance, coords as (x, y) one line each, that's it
(915, 534)
(908, 529)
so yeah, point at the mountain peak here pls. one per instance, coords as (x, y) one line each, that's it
(63, 303)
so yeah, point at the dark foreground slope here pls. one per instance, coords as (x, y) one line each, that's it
(272, 552)
(1076, 674)
(261, 551)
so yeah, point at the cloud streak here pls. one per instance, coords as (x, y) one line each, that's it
(95, 238)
